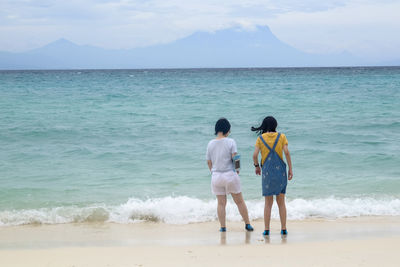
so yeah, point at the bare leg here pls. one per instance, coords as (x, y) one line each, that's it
(238, 198)
(280, 200)
(269, 200)
(221, 209)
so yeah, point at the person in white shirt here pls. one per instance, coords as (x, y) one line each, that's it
(224, 178)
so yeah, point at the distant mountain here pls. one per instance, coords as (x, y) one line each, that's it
(233, 47)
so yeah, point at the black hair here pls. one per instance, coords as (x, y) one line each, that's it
(269, 124)
(222, 125)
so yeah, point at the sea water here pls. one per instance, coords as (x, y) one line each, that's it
(129, 145)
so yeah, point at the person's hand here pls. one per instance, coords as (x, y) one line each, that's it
(290, 176)
(258, 170)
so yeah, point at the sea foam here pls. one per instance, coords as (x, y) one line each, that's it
(183, 210)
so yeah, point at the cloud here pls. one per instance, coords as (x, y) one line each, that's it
(361, 26)
(367, 30)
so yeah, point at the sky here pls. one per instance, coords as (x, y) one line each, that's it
(365, 28)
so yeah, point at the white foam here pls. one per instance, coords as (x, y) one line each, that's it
(183, 210)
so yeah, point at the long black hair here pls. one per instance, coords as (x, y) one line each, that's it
(269, 124)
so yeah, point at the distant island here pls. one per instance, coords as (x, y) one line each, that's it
(229, 48)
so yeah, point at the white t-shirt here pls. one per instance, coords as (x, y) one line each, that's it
(220, 153)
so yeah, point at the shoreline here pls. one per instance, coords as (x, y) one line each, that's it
(204, 233)
(364, 241)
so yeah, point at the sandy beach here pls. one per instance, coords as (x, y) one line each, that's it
(366, 241)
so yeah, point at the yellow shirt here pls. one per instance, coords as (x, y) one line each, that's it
(269, 138)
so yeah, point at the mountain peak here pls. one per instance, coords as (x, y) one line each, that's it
(62, 41)
(56, 47)
(238, 35)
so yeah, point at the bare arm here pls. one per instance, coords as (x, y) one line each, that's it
(255, 160)
(209, 163)
(289, 161)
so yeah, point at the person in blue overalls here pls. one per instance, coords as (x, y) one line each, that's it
(274, 176)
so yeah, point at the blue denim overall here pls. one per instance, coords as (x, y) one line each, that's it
(274, 177)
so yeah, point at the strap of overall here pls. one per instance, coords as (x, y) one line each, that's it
(276, 142)
(262, 139)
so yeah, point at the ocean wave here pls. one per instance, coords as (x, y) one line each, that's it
(184, 210)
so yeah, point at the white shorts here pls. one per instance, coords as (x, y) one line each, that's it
(223, 183)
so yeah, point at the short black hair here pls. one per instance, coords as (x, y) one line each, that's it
(269, 124)
(222, 125)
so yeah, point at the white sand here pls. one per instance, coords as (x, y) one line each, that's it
(368, 241)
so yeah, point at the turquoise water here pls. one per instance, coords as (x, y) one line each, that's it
(92, 145)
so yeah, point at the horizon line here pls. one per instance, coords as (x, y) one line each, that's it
(212, 68)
